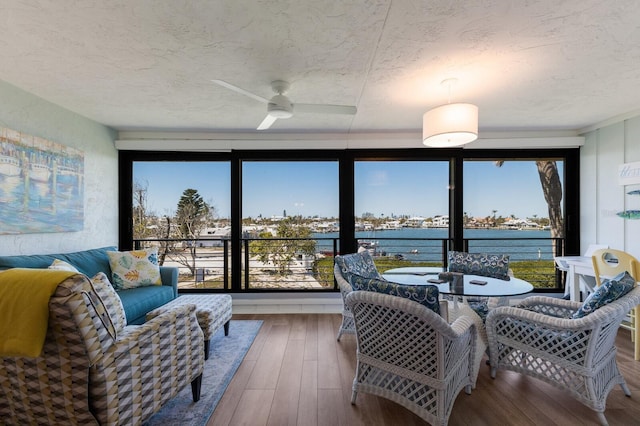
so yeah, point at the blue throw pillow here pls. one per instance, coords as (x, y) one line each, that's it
(486, 265)
(357, 263)
(609, 291)
(426, 295)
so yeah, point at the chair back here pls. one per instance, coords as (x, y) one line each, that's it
(611, 262)
(409, 354)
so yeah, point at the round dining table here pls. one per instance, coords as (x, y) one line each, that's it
(474, 285)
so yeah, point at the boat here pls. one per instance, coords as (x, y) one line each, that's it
(39, 172)
(9, 166)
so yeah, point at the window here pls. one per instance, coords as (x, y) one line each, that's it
(280, 216)
(289, 214)
(183, 208)
(402, 209)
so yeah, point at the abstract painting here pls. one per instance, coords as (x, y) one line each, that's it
(41, 185)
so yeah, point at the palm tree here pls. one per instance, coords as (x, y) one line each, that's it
(552, 190)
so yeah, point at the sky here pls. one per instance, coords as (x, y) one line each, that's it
(383, 188)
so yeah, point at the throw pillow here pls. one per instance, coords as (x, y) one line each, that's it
(609, 291)
(137, 268)
(111, 300)
(426, 295)
(486, 265)
(100, 311)
(358, 263)
(61, 265)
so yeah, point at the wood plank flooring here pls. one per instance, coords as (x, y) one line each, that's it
(296, 373)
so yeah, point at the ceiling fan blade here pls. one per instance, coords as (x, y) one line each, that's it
(325, 109)
(240, 90)
(267, 122)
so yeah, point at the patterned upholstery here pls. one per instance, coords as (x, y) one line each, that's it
(358, 263)
(85, 376)
(540, 339)
(487, 265)
(212, 311)
(426, 295)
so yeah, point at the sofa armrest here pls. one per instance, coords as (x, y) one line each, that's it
(169, 276)
(147, 366)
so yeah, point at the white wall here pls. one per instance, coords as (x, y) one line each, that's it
(601, 197)
(26, 113)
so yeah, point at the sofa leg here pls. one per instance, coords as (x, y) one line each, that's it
(206, 349)
(196, 384)
(226, 328)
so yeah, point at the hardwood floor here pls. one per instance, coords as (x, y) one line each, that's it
(297, 374)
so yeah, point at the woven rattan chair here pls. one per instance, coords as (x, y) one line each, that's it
(609, 263)
(410, 355)
(540, 339)
(347, 326)
(360, 263)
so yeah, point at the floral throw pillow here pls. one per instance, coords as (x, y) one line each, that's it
(137, 268)
(427, 295)
(357, 263)
(486, 265)
(61, 265)
(609, 291)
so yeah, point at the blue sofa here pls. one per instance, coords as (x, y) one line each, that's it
(136, 301)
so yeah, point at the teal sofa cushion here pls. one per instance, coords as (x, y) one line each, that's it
(89, 262)
(138, 301)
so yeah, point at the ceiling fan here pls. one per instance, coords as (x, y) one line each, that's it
(280, 106)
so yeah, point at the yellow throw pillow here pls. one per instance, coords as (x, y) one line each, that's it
(137, 268)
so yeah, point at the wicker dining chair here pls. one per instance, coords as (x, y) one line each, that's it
(409, 354)
(360, 263)
(540, 338)
(608, 263)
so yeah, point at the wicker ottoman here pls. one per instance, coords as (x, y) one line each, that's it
(212, 310)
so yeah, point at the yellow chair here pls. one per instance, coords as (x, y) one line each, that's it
(610, 262)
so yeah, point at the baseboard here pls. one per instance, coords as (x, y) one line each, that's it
(287, 303)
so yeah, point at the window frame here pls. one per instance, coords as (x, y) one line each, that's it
(346, 159)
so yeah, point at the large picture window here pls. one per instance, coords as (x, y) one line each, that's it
(274, 220)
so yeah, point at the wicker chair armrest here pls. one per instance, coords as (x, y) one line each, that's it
(463, 325)
(550, 321)
(550, 305)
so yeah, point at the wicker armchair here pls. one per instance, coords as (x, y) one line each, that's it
(348, 325)
(360, 263)
(410, 355)
(96, 370)
(540, 339)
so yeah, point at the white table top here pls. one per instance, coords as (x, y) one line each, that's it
(417, 275)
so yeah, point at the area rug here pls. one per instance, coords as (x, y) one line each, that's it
(227, 352)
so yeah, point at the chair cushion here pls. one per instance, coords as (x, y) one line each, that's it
(426, 295)
(484, 264)
(137, 268)
(361, 264)
(609, 291)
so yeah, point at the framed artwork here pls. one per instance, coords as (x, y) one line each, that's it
(41, 185)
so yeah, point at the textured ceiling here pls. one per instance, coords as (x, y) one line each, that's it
(148, 64)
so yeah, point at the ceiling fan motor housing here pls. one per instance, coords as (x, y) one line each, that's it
(280, 107)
